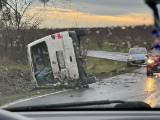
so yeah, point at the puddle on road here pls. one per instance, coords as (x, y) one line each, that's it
(150, 85)
(122, 80)
(151, 89)
(147, 89)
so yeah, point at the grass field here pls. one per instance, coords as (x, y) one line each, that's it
(96, 66)
(108, 48)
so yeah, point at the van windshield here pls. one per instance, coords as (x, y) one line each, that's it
(41, 62)
(40, 56)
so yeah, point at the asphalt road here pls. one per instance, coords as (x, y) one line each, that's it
(109, 55)
(129, 87)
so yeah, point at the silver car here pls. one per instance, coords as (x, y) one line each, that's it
(136, 57)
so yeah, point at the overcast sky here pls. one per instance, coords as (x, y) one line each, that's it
(97, 13)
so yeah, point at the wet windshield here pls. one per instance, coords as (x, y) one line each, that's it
(77, 50)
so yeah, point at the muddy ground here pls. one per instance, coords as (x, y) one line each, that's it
(15, 79)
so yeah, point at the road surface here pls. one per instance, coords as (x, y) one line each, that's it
(129, 87)
(109, 55)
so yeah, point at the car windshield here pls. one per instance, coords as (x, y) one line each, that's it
(155, 52)
(71, 51)
(137, 51)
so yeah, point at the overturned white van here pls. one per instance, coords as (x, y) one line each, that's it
(57, 59)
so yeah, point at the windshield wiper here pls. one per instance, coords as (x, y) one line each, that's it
(121, 104)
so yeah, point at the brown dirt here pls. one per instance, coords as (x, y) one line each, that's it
(15, 79)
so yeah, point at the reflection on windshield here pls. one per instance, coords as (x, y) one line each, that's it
(150, 85)
(150, 88)
(137, 51)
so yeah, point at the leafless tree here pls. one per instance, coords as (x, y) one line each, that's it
(16, 17)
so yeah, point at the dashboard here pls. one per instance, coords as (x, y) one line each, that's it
(93, 115)
(123, 111)
(80, 115)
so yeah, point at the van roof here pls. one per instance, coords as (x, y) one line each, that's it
(45, 38)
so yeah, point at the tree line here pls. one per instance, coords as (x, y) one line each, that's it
(117, 37)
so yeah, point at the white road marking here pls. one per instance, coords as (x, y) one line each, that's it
(27, 99)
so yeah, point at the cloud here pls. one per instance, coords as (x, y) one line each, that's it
(49, 9)
(94, 13)
(72, 18)
(109, 7)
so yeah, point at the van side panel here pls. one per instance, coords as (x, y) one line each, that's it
(70, 58)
